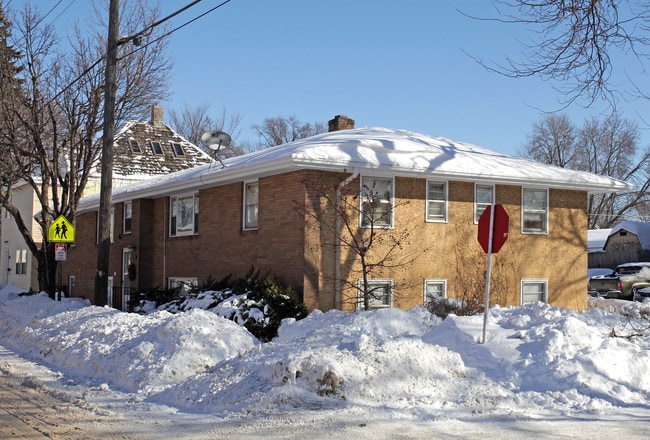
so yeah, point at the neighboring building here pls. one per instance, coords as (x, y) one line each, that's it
(627, 242)
(143, 149)
(17, 265)
(247, 217)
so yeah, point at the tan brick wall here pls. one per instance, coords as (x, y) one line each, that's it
(305, 256)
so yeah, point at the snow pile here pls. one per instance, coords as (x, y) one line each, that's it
(538, 360)
(134, 353)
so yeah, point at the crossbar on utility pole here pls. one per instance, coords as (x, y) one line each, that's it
(105, 197)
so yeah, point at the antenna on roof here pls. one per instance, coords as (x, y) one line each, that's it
(214, 140)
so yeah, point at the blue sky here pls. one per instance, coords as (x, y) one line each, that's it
(396, 64)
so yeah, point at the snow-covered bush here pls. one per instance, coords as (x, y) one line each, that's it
(257, 303)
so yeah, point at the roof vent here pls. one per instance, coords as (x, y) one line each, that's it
(340, 122)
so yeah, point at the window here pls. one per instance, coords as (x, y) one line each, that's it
(183, 283)
(436, 201)
(184, 215)
(21, 262)
(380, 293)
(156, 148)
(534, 207)
(251, 202)
(376, 202)
(434, 288)
(128, 215)
(534, 290)
(177, 149)
(483, 197)
(135, 147)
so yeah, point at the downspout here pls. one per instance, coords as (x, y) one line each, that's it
(337, 238)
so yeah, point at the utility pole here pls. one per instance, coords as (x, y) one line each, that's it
(105, 197)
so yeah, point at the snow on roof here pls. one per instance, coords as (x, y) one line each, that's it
(596, 239)
(640, 229)
(379, 151)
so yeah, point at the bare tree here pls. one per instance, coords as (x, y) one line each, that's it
(575, 42)
(553, 141)
(610, 148)
(358, 220)
(191, 123)
(607, 147)
(54, 137)
(281, 130)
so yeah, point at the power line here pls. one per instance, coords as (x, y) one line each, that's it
(142, 32)
(173, 30)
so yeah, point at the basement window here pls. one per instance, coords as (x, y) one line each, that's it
(534, 290)
(434, 288)
(380, 293)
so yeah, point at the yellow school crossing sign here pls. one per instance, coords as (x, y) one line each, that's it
(61, 231)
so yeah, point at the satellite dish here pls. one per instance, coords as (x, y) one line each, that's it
(216, 139)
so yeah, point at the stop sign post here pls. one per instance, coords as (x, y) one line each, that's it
(492, 234)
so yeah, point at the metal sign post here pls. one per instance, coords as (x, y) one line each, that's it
(492, 234)
(60, 232)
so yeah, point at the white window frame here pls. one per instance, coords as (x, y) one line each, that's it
(530, 281)
(479, 207)
(429, 217)
(525, 212)
(250, 205)
(21, 262)
(369, 183)
(378, 304)
(189, 228)
(128, 208)
(429, 281)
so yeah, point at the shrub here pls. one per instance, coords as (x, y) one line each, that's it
(255, 302)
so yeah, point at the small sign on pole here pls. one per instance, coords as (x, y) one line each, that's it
(60, 251)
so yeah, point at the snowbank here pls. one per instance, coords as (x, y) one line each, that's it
(537, 361)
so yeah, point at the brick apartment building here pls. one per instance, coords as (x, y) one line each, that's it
(257, 210)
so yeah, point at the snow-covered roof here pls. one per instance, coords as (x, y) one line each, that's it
(378, 151)
(596, 239)
(640, 229)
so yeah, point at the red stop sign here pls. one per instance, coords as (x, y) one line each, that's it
(500, 234)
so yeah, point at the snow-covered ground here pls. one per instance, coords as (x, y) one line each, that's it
(543, 372)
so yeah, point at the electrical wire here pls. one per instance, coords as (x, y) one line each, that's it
(172, 31)
(142, 32)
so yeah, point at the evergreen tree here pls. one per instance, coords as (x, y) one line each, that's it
(10, 85)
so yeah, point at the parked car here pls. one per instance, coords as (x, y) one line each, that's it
(623, 283)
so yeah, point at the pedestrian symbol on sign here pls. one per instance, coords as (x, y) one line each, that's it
(61, 231)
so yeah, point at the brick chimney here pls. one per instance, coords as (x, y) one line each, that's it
(157, 113)
(340, 122)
